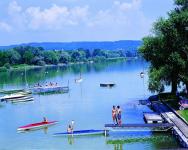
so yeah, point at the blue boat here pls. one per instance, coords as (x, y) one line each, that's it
(80, 133)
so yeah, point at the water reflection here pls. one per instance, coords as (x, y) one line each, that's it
(158, 140)
(70, 139)
(32, 76)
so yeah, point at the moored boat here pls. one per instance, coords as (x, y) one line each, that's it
(109, 84)
(12, 96)
(78, 80)
(80, 133)
(38, 125)
(22, 99)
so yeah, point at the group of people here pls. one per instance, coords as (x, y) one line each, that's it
(46, 84)
(116, 115)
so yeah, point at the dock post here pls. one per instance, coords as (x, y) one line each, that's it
(105, 132)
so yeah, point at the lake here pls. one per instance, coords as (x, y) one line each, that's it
(87, 104)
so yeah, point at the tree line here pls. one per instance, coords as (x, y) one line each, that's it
(38, 56)
(167, 50)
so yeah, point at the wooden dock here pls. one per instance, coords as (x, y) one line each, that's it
(180, 128)
(158, 127)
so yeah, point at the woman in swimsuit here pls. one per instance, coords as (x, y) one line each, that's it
(114, 112)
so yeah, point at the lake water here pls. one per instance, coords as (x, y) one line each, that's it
(87, 104)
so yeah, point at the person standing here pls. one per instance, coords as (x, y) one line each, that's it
(119, 115)
(114, 113)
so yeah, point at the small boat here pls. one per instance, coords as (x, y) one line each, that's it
(142, 74)
(22, 100)
(38, 125)
(107, 84)
(80, 133)
(12, 96)
(11, 91)
(79, 79)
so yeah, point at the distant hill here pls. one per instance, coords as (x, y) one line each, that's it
(127, 45)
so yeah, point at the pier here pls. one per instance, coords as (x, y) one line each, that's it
(158, 127)
(180, 128)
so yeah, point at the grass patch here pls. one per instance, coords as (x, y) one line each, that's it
(184, 114)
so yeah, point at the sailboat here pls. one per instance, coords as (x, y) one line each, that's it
(78, 80)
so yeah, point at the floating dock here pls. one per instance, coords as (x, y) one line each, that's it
(152, 118)
(107, 84)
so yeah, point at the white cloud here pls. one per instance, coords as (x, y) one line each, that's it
(14, 8)
(118, 20)
(5, 27)
(124, 6)
(55, 17)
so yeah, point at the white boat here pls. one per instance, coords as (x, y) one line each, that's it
(22, 100)
(80, 79)
(12, 96)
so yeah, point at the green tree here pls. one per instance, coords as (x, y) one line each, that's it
(166, 49)
(14, 57)
(28, 56)
(64, 57)
(51, 57)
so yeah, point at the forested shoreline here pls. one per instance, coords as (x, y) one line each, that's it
(37, 56)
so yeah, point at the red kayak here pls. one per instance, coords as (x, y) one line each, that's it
(37, 125)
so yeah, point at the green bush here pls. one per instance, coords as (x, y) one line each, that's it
(41, 63)
(7, 66)
(3, 69)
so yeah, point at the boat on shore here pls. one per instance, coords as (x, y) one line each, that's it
(80, 133)
(36, 126)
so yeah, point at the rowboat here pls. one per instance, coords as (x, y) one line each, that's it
(35, 126)
(80, 133)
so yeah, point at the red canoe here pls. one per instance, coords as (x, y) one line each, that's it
(37, 125)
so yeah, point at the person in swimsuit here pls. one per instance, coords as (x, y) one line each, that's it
(114, 117)
(119, 115)
(44, 119)
(70, 129)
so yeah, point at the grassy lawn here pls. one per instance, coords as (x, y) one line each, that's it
(184, 114)
(173, 101)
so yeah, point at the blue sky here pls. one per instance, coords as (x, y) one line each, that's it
(23, 21)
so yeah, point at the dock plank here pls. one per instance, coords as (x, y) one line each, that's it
(162, 125)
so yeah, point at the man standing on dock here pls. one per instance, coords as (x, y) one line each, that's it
(119, 115)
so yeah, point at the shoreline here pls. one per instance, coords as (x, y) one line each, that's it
(26, 66)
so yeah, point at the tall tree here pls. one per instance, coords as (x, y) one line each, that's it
(167, 48)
